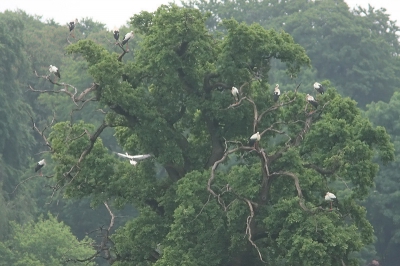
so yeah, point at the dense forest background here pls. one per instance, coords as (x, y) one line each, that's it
(354, 51)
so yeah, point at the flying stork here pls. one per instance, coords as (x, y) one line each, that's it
(311, 100)
(116, 34)
(254, 139)
(318, 87)
(133, 159)
(72, 25)
(127, 37)
(39, 166)
(54, 69)
(277, 93)
(235, 93)
(330, 197)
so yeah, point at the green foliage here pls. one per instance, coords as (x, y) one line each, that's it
(382, 205)
(15, 140)
(357, 50)
(45, 242)
(172, 100)
(170, 97)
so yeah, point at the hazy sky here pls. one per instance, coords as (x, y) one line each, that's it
(117, 12)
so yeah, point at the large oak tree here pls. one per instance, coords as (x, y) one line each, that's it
(206, 197)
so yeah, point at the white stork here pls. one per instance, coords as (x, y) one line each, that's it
(235, 93)
(254, 139)
(133, 159)
(311, 100)
(277, 93)
(318, 87)
(330, 197)
(116, 34)
(39, 166)
(72, 25)
(54, 69)
(127, 37)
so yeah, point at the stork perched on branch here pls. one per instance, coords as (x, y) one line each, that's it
(254, 139)
(54, 70)
(40, 165)
(330, 197)
(312, 101)
(72, 25)
(277, 93)
(116, 34)
(127, 37)
(318, 87)
(235, 93)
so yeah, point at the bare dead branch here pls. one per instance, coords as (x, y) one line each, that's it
(41, 132)
(102, 111)
(255, 114)
(105, 244)
(341, 179)
(86, 91)
(22, 182)
(248, 228)
(215, 165)
(65, 90)
(321, 170)
(80, 107)
(112, 216)
(234, 105)
(202, 208)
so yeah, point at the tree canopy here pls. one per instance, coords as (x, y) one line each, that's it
(206, 196)
(45, 242)
(205, 187)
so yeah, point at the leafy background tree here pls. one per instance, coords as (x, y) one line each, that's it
(45, 242)
(356, 50)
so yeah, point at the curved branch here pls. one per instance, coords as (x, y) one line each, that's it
(214, 167)
(321, 170)
(298, 188)
(255, 122)
(34, 127)
(248, 228)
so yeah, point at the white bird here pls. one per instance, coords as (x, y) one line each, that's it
(330, 197)
(254, 138)
(133, 159)
(277, 93)
(127, 37)
(235, 93)
(311, 100)
(318, 87)
(116, 34)
(40, 165)
(54, 69)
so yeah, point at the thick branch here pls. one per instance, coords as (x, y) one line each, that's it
(248, 228)
(217, 150)
(321, 170)
(215, 166)
(42, 132)
(255, 121)
(65, 89)
(92, 140)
